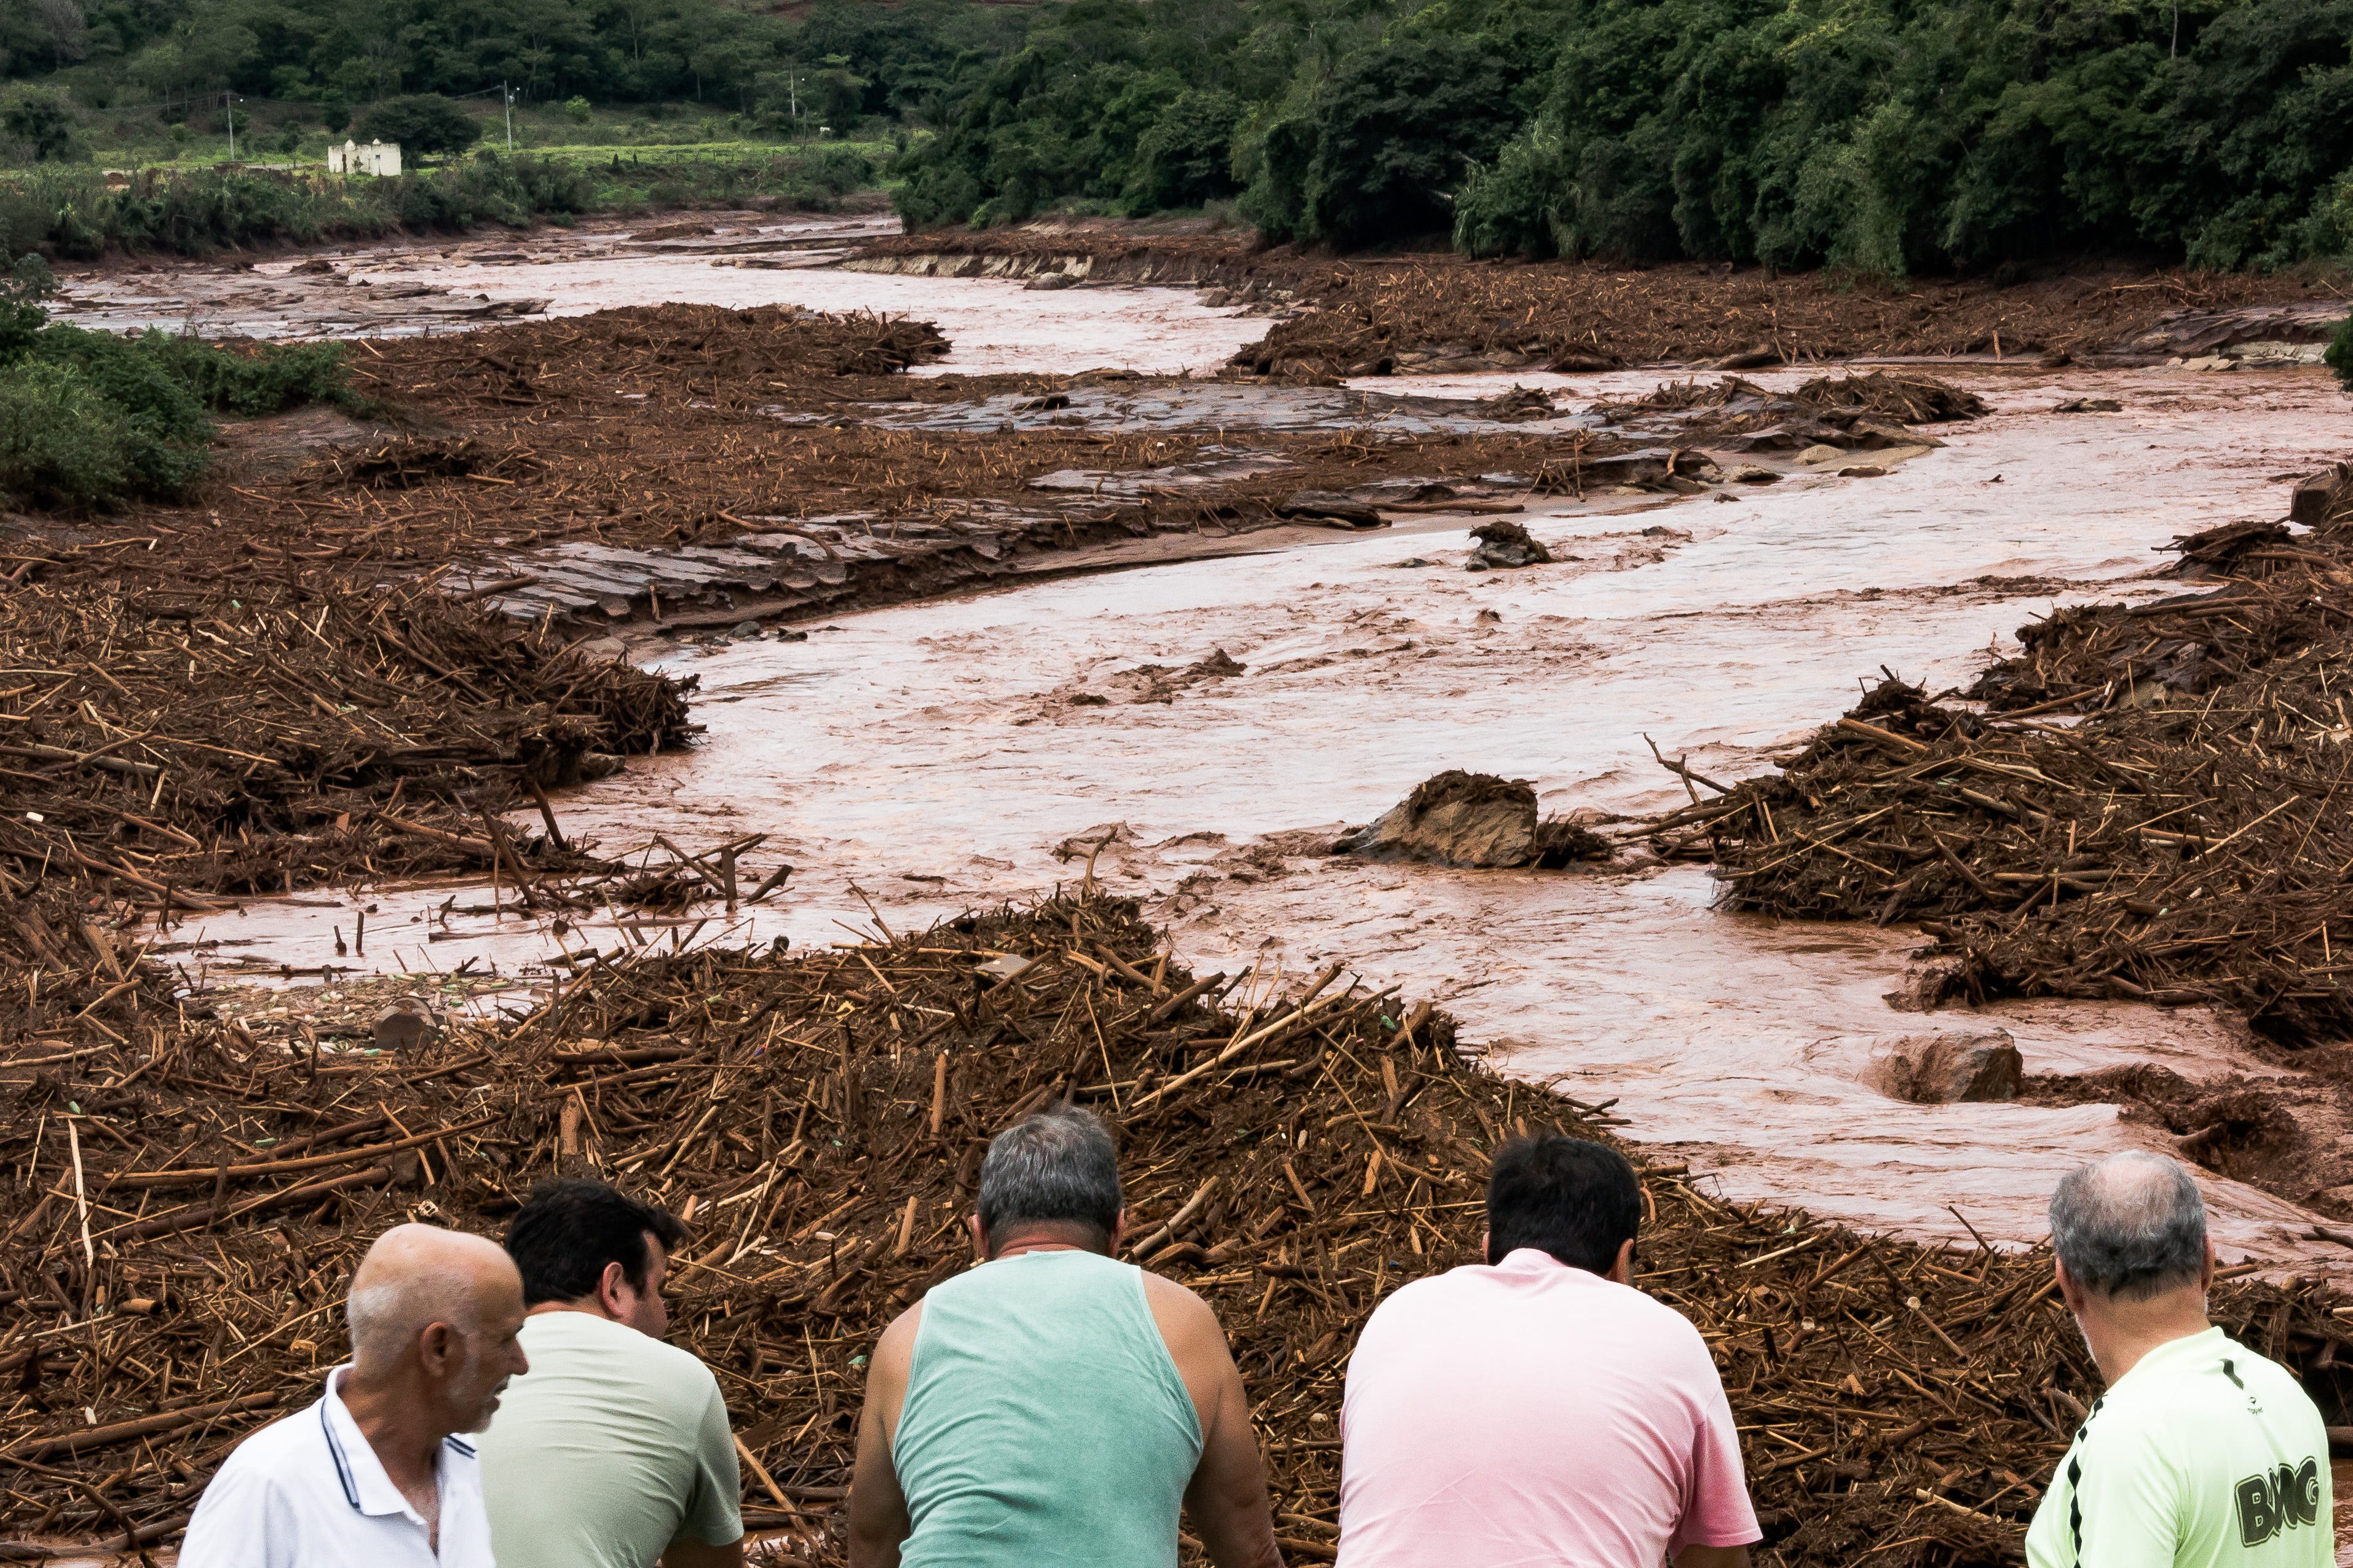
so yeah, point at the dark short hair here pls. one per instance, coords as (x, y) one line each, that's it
(1576, 1200)
(1058, 1167)
(2131, 1226)
(568, 1230)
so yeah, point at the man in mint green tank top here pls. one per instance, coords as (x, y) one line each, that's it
(1053, 1405)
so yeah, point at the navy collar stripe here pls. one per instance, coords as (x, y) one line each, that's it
(342, 1466)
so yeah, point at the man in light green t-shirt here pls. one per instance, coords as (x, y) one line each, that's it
(2201, 1454)
(616, 1451)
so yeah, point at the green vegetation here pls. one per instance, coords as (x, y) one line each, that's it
(166, 79)
(2340, 352)
(1883, 136)
(424, 123)
(74, 213)
(87, 419)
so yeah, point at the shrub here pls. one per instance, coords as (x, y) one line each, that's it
(62, 444)
(158, 437)
(22, 288)
(87, 418)
(2340, 352)
(250, 380)
(1520, 204)
(38, 122)
(835, 171)
(577, 110)
(423, 124)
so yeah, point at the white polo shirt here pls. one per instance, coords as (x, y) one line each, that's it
(309, 1492)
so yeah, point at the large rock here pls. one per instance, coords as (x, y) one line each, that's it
(1938, 1070)
(1505, 545)
(2316, 499)
(409, 1023)
(1454, 820)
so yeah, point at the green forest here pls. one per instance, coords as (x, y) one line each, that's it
(1886, 137)
(322, 62)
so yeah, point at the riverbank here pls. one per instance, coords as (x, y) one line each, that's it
(1378, 314)
(85, 214)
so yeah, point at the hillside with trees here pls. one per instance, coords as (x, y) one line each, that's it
(1882, 136)
(319, 64)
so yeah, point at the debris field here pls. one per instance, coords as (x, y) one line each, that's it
(691, 466)
(1425, 313)
(2181, 841)
(278, 689)
(185, 1204)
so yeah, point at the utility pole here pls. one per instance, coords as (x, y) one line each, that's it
(508, 99)
(229, 98)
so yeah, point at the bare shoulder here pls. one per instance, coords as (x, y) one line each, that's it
(1183, 1316)
(896, 1349)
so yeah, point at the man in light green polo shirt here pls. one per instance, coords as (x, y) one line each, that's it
(2201, 1454)
(616, 1452)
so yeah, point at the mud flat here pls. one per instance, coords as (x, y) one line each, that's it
(682, 467)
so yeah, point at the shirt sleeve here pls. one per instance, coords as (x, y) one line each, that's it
(1717, 1511)
(712, 1514)
(237, 1524)
(2114, 1503)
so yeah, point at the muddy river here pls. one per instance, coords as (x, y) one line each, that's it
(914, 761)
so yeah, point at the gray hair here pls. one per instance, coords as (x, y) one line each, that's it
(1058, 1167)
(2131, 1226)
(385, 1320)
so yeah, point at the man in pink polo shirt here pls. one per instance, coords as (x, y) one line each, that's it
(1537, 1408)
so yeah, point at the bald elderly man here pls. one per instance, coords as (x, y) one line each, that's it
(374, 1473)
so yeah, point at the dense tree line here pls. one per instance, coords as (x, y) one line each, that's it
(1883, 136)
(841, 63)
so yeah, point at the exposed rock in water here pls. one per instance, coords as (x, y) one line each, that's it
(1520, 402)
(1503, 545)
(1322, 506)
(1940, 1070)
(1559, 842)
(1458, 819)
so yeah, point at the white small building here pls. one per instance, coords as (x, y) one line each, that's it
(375, 158)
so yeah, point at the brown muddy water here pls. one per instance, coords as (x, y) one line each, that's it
(914, 761)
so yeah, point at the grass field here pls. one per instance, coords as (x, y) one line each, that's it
(274, 135)
(73, 212)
